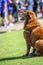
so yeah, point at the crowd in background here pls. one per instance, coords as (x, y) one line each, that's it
(10, 9)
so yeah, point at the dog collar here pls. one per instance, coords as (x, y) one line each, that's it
(26, 30)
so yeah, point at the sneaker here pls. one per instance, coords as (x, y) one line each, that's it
(10, 27)
(11, 24)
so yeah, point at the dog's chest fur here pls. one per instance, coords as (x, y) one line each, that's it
(35, 31)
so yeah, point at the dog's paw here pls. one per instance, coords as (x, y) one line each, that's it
(33, 54)
(25, 55)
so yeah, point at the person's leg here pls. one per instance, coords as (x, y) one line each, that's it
(15, 12)
(11, 25)
(16, 16)
(42, 9)
(10, 16)
(4, 18)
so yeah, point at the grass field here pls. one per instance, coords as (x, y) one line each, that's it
(12, 49)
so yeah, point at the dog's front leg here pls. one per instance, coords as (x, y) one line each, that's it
(27, 39)
(28, 48)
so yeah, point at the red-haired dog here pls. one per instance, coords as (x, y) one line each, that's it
(33, 33)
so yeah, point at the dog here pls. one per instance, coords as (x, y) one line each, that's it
(33, 34)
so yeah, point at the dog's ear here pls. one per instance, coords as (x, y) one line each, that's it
(27, 18)
(33, 16)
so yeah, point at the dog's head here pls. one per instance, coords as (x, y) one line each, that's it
(30, 20)
(30, 16)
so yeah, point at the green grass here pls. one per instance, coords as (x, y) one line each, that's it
(12, 49)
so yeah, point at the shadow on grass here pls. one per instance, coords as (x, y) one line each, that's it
(18, 57)
(2, 32)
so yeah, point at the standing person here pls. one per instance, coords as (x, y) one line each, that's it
(10, 10)
(41, 7)
(4, 11)
(15, 10)
(35, 6)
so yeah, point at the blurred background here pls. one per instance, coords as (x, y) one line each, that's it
(12, 11)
